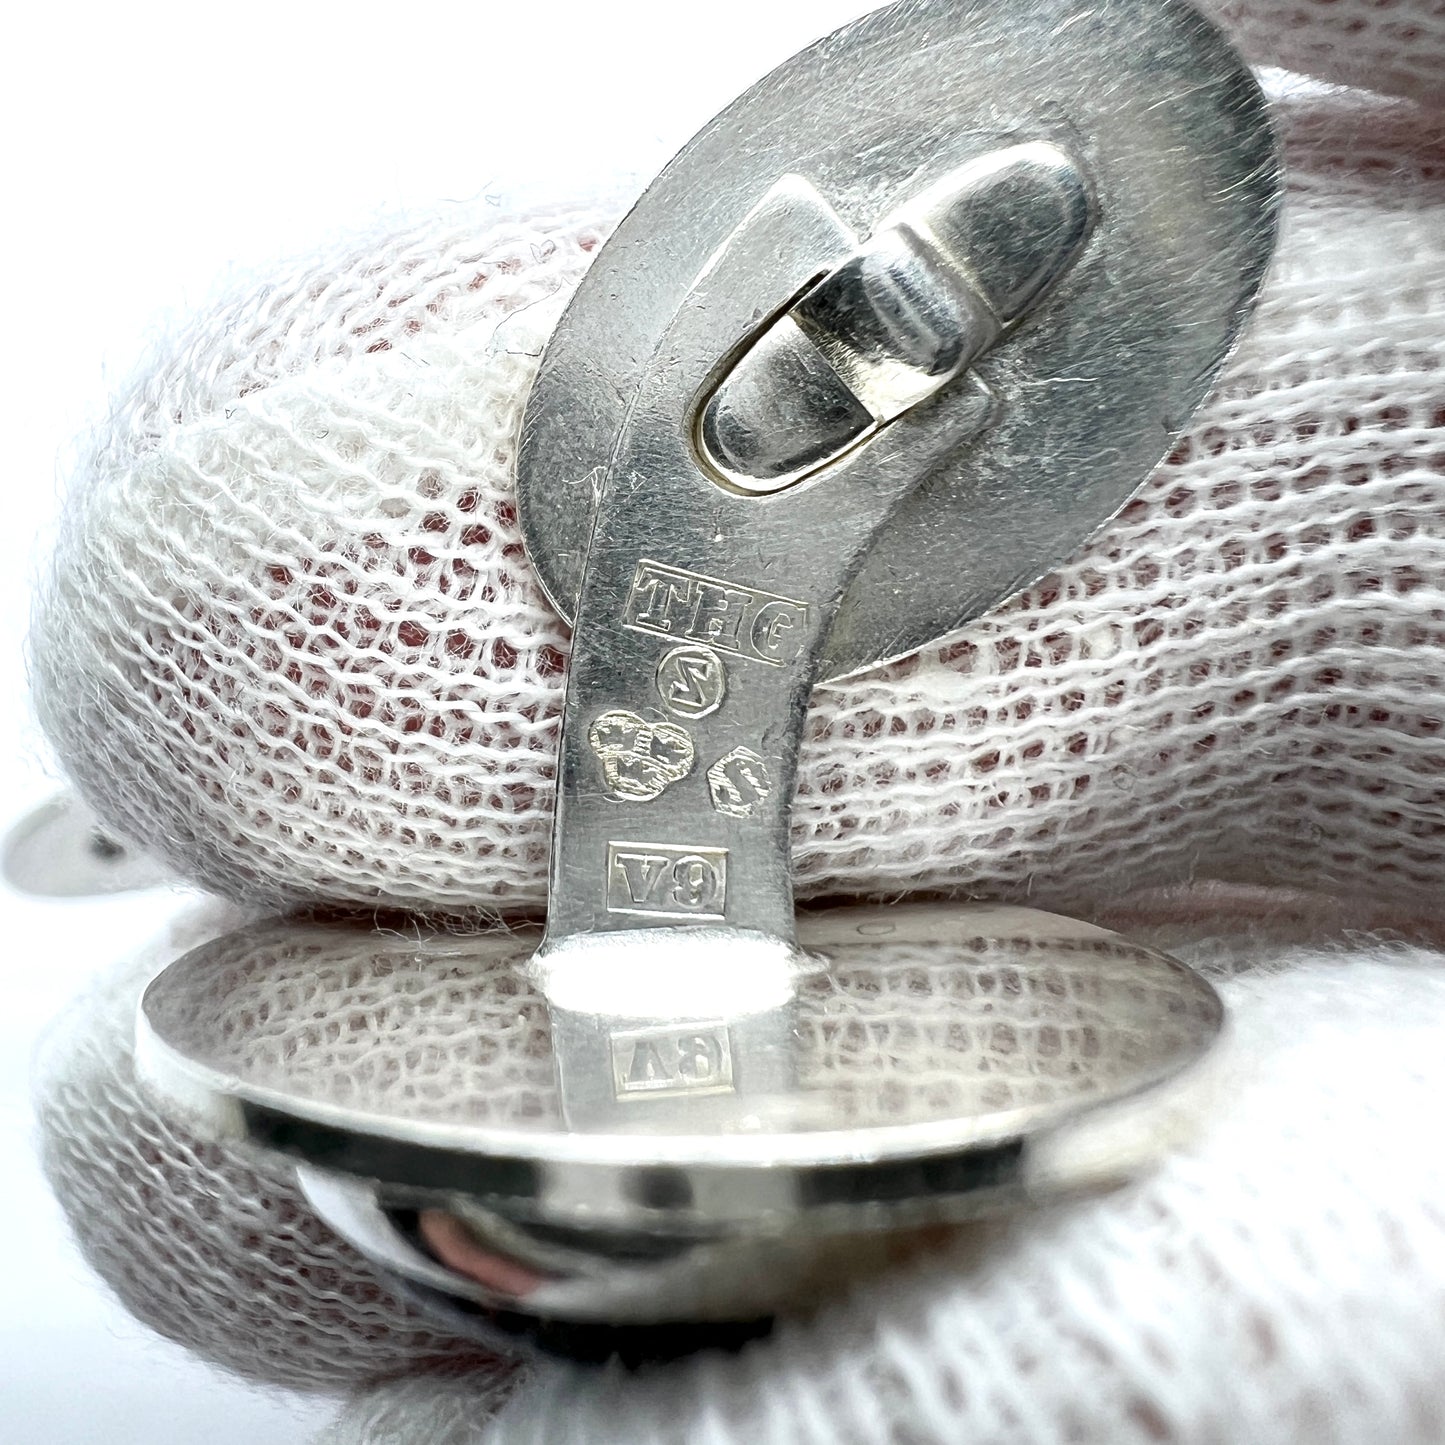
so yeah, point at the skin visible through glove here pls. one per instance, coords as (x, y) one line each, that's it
(294, 646)
(332, 678)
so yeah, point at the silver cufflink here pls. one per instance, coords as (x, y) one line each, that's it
(60, 849)
(888, 339)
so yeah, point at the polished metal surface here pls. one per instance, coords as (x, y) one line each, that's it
(927, 1062)
(1090, 393)
(930, 292)
(911, 317)
(667, 820)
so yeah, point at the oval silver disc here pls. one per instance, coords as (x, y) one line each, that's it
(1090, 393)
(925, 1061)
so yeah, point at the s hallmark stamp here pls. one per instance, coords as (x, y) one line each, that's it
(692, 682)
(738, 782)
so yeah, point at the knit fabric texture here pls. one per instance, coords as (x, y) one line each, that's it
(207, 1245)
(1281, 1280)
(1280, 1277)
(291, 644)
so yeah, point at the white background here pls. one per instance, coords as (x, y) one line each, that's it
(149, 151)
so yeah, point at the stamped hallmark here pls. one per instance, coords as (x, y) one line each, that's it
(692, 682)
(670, 602)
(665, 880)
(640, 759)
(738, 782)
(695, 1059)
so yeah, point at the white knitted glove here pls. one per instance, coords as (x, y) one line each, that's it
(292, 644)
(1280, 1281)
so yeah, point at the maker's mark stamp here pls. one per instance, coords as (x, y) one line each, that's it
(692, 682)
(640, 759)
(665, 880)
(696, 1059)
(738, 782)
(671, 602)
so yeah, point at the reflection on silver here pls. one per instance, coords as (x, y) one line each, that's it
(470, 1256)
(919, 1064)
(687, 1056)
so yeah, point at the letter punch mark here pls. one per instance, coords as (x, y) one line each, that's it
(741, 621)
